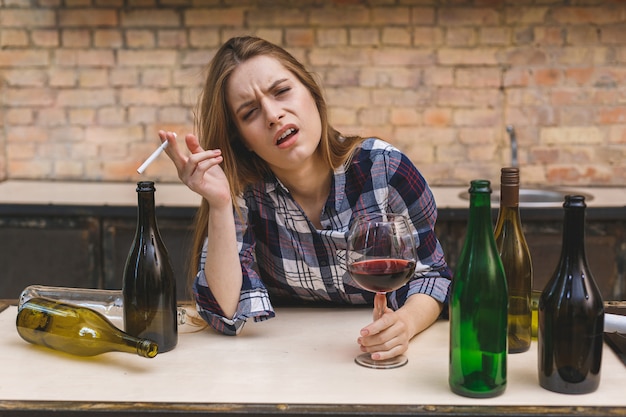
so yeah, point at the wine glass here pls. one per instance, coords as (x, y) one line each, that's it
(381, 257)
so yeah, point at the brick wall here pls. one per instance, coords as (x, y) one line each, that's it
(85, 84)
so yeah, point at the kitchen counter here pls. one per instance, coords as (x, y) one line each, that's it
(175, 195)
(299, 363)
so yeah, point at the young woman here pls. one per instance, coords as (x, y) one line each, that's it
(280, 189)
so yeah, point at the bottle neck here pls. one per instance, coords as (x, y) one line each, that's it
(509, 196)
(146, 217)
(574, 233)
(479, 213)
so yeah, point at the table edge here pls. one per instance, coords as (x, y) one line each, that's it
(80, 409)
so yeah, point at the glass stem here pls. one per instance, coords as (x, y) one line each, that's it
(380, 304)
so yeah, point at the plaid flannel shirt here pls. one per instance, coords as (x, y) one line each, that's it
(283, 255)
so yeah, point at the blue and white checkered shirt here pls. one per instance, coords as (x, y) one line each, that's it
(284, 256)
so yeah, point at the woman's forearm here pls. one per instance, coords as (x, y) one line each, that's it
(222, 266)
(419, 312)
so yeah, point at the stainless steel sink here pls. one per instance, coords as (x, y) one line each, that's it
(536, 197)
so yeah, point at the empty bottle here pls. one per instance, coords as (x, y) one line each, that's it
(109, 303)
(76, 330)
(571, 314)
(149, 285)
(478, 306)
(515, 257)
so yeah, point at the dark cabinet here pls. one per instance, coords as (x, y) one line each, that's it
(87, 246)
(605, 245)
(81, 246)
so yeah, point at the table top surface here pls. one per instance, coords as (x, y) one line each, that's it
(303, 356)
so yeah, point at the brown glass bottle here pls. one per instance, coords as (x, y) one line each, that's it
(149, 285)
(571, 314)
(76, 330)
(516, 260)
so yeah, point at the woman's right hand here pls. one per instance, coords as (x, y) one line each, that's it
(200, 170)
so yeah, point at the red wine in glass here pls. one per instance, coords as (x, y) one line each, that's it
(381, 257)
(382, 275)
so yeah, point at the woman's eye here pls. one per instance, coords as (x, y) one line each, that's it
(248, 114)
(283, 91)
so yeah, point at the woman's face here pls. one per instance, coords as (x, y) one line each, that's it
(275, 113)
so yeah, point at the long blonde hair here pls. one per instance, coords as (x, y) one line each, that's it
(217, 129)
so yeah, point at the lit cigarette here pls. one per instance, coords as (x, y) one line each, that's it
(152, 157)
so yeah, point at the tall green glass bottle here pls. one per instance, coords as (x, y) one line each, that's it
(478, 306)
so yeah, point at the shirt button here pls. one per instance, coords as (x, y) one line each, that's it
(323, 263)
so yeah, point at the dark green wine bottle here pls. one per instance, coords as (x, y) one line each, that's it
(478, 306)
(76, 330)
(516, 260)
(571, 314)
(149, 285)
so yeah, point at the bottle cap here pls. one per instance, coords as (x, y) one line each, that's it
(509, 176)
(145, 186)
(574, 201)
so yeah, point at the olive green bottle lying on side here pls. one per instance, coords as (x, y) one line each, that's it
(76, 330)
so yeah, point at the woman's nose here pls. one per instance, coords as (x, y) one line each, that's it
(273, 115)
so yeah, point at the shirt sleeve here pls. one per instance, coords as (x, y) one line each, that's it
(254, 300)
(410, 193)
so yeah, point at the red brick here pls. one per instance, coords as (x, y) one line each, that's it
(153, 57)
(149, 96)
(299, 37)
(277, 17)
(105, 38)
(527, 15)
(461, 56)
(202, 38)
(437, 117)
(23, 58)
(25, 78)
(88, 17)
(35, 97)
(390, 16)
(478, 77)
(526, 57)
(364, 36)
(213, 17)
(396, 36)
(13, 37)
(458, 16)
(547, 77)
(140, 39)
(85, 98)
(611, 115)
(160, 18)
(113, 134)
(75, 38)
(476, 117)
(24, 134)
(332, 37)
(172, 39)
(27, 18)
(423, 16)
(339, 16)
(585, 15)
(95, 58)
(578, 76)
(45, 38)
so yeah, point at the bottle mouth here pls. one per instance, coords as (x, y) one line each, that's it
(145, 186)
(147, 348)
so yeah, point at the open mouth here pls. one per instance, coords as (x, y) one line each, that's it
(286, 135)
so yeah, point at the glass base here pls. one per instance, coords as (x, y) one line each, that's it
(366, 360)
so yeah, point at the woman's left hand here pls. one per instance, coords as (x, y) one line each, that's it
(389, 336)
